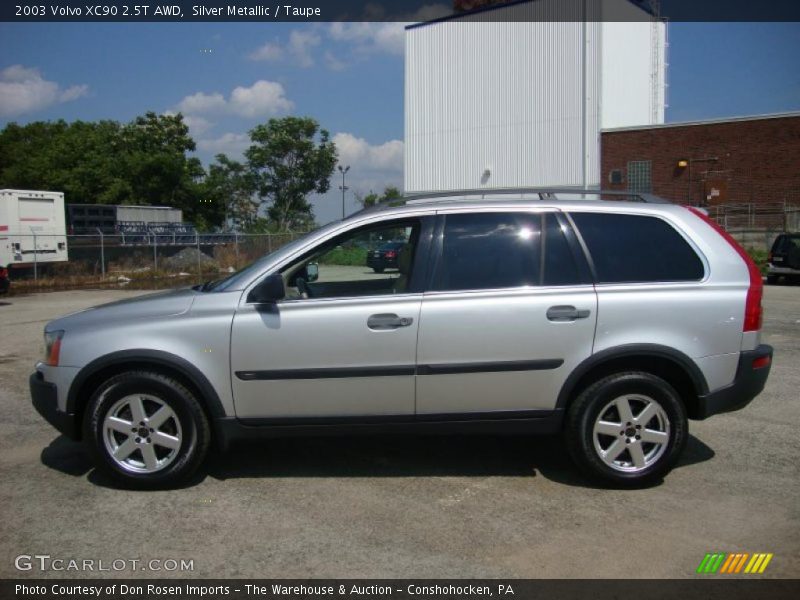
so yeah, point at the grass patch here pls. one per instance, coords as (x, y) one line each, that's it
(352, 257)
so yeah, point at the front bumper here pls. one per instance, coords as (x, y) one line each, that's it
(748, 383)
(44, 396)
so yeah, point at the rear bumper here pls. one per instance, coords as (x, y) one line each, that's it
(44, 396)
(781, 270)
(381, 263)
(748, 384)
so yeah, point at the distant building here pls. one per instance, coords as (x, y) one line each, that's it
(517, 94)
(745, 160)
(108, 218)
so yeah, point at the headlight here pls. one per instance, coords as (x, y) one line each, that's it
(52, 347)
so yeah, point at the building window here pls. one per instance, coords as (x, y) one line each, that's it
(639, 176)
(615, 176)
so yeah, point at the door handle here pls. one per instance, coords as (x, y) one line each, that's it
(566, 313)
(386, 321)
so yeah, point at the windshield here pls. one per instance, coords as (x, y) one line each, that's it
(236, 280)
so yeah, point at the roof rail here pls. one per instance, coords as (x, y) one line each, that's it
(549, 194)
(543, 193)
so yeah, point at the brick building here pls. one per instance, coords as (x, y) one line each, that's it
(746, 160)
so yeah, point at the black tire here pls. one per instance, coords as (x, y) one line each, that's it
(772, 279)
(585, 411)
(195, 433)
(378, 269)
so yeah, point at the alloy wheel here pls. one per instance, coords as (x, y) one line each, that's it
(142, 434)
(631, 433)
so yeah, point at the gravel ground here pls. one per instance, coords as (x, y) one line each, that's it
(405, 507)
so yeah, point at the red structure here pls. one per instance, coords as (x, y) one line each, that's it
(747, 160)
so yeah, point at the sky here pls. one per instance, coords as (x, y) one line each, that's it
(227, 77)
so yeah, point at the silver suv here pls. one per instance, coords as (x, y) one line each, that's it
(610, 321)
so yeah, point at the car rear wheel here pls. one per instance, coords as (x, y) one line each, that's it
(378, 269)
(146, 430)
(627, 429)
(772, 279)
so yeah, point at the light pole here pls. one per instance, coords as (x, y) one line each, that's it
(343, 187)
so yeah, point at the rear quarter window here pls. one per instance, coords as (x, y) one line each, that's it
(637, 249)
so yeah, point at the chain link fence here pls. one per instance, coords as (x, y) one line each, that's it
(158, 259)
(767, 215)
(755, 226)
(77, 260)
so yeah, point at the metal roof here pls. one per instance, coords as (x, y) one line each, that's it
(783, 115)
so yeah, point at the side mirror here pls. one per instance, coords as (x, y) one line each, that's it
(268, 291)
(312, 272)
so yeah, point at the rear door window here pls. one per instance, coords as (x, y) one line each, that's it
(504, 250)
(637, 249)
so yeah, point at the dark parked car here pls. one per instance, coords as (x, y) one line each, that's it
(4, 282)
(784, 258)
(384, 257)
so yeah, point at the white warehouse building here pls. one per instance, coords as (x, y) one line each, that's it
(514, 97)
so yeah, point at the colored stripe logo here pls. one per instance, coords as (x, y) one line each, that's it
(733, 563)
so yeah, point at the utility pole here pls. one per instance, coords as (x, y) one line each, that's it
(343, 187)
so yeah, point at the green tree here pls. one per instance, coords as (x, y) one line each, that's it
(105, 162)
(389, 193)
(231, 187)
(155, 148)
(291, 158)
(82, 159)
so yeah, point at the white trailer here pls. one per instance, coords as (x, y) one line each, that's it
(32, 228)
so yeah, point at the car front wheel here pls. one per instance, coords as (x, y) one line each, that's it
(627, 429)
(146, 430)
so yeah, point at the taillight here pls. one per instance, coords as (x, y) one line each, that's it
(390, 254)
(3, 272)
(761, 362)
(753, 312)
(769, 256)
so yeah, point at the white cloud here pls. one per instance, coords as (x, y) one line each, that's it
(387, 37)
(298, 50)
(361, 155)
(271, 51)
(232, 144)
(202, 103)
(373, 167)
(261, 98)
(197, 125)
(24, 90)
(333, 62)
(301, 44)
(370, 37)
